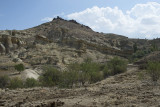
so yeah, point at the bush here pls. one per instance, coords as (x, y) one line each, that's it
(106, 71)
(31, 82)
(19, 67)
(50, 76)
(95, 76)
(83, 78)
(4, 81)
(91, 70)
(16, 83)
(153, 69)
(69, 78)
(117, 65)
(87, 71)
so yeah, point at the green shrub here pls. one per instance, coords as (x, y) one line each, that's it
(154, 47)
(16, 83)
(91, 70)
(74, 67)
(19, 67)
(83, 78)
(90, 67)
(50, 76)
(135, 47)
(117, 65)
(95, 76)
(87, 71)
(69, 78)
(153, 69)
(4, 81)
(31, 82)
(106, 71)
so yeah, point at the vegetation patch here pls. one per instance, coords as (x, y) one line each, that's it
(75, 75)
(153, 69)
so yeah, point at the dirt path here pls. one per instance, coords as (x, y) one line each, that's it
(122, 90)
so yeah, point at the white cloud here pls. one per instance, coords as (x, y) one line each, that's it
(47, 19)
(142, 21)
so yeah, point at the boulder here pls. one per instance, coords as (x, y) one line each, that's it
(29, 73)
(17, 60)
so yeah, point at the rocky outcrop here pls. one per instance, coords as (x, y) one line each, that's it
(9, 43)
(2, 48)
(83, 45)
(42, 39)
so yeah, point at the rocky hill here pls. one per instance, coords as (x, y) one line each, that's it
(61, 42)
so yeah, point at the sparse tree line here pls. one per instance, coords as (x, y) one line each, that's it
(75, 75)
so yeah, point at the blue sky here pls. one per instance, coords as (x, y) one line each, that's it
(23, 14)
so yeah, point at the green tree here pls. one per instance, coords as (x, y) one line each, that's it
(19, 67)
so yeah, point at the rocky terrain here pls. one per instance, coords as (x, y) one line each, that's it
(122, 90)
(61, 42)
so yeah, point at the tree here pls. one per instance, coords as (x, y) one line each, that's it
(19, 67)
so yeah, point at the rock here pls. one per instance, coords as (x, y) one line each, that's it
(41, 39)
(2, 49)
(17, 60)
(8, 44)
(29, 73)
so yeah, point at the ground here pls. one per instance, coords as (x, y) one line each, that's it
(122, 90)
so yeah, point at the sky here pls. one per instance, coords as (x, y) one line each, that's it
(131, 18)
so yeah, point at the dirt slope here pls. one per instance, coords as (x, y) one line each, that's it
(123, 90)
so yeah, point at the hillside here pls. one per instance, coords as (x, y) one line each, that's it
(60, 43)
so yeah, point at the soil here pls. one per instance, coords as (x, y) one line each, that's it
(122, 90)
